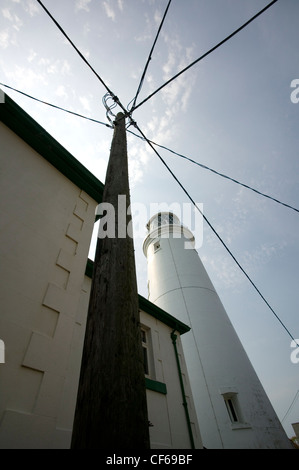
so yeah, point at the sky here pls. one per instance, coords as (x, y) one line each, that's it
(236, 111)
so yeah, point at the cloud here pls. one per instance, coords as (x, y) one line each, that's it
(157, 17)
(32, 55)
(4, 39)
(17, 22)
(65, 67)
(262, 254)
(224, 270)
(162, 127)
(50, 66)
(95, 157)
(138, 155)
(109, 11)
(32, 8)
(13, 18)
(86, 28)
(175, 96)
(26, 78)
(38, 71)
(85, 103)
(252, 261)
(143, 37)
(61, 92)
(82, 5)
(147, 32)
(168, 67)
(179, 91)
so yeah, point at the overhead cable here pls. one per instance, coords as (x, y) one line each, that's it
(82, 57)
(217, 235)
(54, 106)
(150, 56)
(162, 160)
(180, 184)
(291, 405)
(206, 54)
(221, 174)
(154, 143)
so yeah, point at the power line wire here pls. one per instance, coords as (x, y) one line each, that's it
(154, 143)
(206, 54)
(142, 79)
(153, 148)
(115, 98)
(56, 107)
(222, 175)
(290, 407)
(215, 232)
(180, 184)
(150, 56)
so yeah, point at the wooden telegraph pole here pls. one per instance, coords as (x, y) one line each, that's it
(111, 409)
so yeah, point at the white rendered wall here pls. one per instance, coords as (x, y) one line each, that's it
(46, 225)
(166, 411)
(217, 363)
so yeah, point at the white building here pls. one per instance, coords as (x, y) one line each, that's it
(232, 407)
(47, 213)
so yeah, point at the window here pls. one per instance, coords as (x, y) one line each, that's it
(156, 246)
(230, 396)
(231, 410)
(165, 219)
(145, 350)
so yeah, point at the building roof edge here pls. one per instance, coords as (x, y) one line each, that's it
(20, 122)
(150, 308)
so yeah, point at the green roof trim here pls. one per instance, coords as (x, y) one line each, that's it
(20, 122)
(161, 315)
(151, 308)
(14, 117)
(155, 386)
(89, 268)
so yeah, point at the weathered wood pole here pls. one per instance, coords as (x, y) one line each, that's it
(111, 409)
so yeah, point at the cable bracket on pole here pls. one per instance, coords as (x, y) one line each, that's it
(109, 114)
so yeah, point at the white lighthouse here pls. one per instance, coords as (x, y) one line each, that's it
(232, 407)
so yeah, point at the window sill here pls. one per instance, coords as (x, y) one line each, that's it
(155, 386)
(236, 426)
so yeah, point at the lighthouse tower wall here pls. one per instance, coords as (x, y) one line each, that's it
(232, 407)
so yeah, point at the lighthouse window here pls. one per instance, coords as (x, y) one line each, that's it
(145, 350)
(231, 410)
(156, 246)
(234, 410)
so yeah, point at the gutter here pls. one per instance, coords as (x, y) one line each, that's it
(185, 405)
